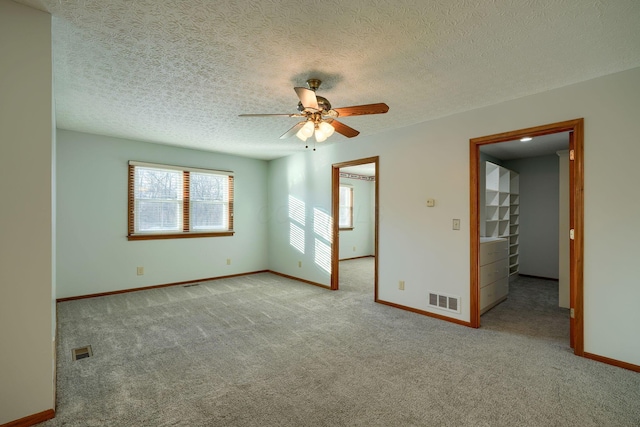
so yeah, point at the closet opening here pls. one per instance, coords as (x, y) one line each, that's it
(497, 212)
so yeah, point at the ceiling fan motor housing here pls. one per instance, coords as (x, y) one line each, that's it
(323, 104)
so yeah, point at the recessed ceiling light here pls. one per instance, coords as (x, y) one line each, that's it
(526, 139)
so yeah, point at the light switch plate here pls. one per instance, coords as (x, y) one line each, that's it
(456, 224)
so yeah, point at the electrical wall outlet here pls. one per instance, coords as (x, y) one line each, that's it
(401, 285)
(228, 261)
(354, 249)
(299, 264)
(140, 271)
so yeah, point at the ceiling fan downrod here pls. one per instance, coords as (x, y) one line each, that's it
(314, 84)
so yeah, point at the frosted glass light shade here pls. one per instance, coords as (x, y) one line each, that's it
(320, 136)
(307, 129)
(326, 128)
(301, 135)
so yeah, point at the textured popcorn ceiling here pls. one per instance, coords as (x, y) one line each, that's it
(180, 72)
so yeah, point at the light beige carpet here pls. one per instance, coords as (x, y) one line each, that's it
(261, 350)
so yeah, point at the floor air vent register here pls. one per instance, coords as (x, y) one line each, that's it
(81, 353)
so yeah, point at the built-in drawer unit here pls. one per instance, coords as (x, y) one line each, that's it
(493, 294)
(491, 272)
(494, 272)
(492, 249)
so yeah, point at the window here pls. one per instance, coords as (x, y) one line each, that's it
(346, 207)
(167, 202)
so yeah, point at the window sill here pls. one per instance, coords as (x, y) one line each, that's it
(178, 235)
(345, 228)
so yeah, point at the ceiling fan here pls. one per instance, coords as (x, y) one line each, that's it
(319, 118)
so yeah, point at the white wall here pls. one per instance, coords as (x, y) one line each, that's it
(431, 160)
(26, 318)
(93, 252)
(292, 182)
(539, 207)
(362, 235)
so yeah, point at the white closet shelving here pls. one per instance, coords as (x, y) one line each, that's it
(499, 242)
(514, 222)
(502, 209)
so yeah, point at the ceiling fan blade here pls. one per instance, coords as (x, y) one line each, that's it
(345, 130)
(293, 130)
(360, 110)
(270, 115)
(307, 97)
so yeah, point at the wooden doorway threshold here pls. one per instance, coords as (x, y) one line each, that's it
(576, 203)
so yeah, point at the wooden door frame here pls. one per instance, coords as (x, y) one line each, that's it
(576, 195)
(335, 212)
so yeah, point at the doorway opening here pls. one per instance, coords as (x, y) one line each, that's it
(371, 166)
(575, 129)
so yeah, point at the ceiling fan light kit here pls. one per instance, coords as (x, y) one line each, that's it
(319, 118)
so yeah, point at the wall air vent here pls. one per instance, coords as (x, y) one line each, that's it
(444, 302)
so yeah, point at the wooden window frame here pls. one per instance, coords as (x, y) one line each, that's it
(186, 205)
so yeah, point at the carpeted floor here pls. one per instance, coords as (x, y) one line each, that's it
(531, 310)
(262, 350)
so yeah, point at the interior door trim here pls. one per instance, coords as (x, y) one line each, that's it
(335, 208)
(576, 280)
